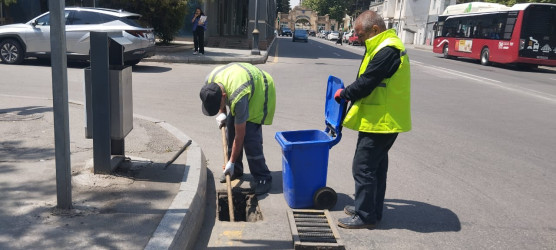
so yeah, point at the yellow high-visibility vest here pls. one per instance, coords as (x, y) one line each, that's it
(387, 109)
(240, 79)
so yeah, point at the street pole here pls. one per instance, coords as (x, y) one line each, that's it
(400, 21)
(60, 104)
(255, 50)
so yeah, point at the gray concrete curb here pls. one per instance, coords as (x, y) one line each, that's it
(183, 219)
(182, 222)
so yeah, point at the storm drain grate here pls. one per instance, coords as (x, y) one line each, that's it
(313, 229)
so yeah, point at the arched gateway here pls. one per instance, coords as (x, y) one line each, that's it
(305, 18)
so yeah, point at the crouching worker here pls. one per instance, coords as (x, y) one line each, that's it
(250, 94)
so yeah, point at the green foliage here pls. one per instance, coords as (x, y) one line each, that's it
(283, 6)
(336, 9)
(165, 16)
(9, 2)
(356, 7)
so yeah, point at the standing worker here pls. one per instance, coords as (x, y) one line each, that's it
(199, 26)
(251, 96)
(380, 109)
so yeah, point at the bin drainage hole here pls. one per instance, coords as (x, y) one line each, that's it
(246, 206)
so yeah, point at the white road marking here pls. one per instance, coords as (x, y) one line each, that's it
(491, 82)
(336, 54)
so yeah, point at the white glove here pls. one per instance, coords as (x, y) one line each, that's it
(229, 168)
(221, 120)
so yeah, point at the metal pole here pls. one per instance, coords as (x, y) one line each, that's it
(100, 80)
(255, 50)
(400, 21)
(60, 104)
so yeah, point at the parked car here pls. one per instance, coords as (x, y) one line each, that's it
(285, 31)
(300, 35)
(32, 39)
(347, 35)
(312, 33)
(334, 35)
(353, 40)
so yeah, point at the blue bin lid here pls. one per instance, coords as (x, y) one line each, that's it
(334, 111)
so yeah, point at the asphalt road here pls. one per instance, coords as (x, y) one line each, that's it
(477, 170)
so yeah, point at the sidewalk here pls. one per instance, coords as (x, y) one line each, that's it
(141, 205)
(182, 52)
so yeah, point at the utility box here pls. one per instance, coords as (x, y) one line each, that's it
(121, 103)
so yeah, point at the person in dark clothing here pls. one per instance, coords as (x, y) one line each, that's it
(199, 26)
(380, 109)
(340, 38)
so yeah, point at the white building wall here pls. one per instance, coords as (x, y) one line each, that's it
(412, 19)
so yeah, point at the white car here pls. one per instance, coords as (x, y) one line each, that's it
(32, 39)
(334, 35)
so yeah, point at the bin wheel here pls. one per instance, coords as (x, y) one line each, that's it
(325, 198)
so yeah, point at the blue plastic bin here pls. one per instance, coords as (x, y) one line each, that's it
(305, 152)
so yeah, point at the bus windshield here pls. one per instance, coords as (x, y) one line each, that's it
(538, 32)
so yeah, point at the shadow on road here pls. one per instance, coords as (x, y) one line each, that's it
(418, 216)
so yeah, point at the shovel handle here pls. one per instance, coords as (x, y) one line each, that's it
(228, 181)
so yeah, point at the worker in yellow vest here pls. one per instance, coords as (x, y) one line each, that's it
(380, 109)
(251, 96)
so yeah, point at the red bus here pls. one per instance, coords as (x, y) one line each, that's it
(524, 35)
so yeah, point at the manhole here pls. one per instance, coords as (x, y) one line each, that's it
(246, 206)
(13, 116)
(313, 229)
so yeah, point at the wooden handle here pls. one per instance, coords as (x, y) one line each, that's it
(228, 179)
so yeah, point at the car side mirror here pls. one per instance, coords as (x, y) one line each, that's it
(35, 23)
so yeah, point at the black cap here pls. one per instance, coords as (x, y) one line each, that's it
(211, 95)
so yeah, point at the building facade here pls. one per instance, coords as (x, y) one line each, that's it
(413, 19)
(231, 22)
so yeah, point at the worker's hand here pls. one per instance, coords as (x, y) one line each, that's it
(337, 95)
(229, 169)
(221, 120)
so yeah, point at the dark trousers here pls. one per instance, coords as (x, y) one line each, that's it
(253, 145)
(199, 39)
(370, 165)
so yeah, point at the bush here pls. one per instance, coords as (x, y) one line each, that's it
(166, 17)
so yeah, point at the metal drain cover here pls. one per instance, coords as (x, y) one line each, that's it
(313, 229)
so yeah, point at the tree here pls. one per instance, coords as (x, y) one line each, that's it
(356, 7)
(283, 6)
(336, 9)
(165, 16)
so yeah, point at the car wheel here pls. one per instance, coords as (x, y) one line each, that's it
(485, 57)
(446, 51)
(11, 52)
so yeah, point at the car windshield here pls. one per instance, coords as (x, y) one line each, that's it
(300, 32)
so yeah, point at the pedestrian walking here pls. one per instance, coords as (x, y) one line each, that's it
(199, 26)
(340, 37)
(251, 97)
(380, 109)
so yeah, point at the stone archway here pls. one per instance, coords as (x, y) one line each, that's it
(304, 18)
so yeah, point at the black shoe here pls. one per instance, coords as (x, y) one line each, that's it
(354, 222)
(263, 186)
(232, 177)
(349, 210)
